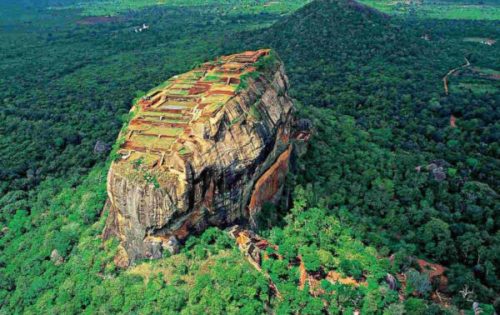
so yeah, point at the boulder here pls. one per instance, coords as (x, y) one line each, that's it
(56, 258)
(100, 147)
(208, 148)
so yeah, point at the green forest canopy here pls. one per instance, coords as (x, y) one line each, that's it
(379, 111)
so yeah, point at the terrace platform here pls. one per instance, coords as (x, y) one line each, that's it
(164, 117)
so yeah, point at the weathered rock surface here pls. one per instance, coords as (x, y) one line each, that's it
(56, 258)
(207, 149)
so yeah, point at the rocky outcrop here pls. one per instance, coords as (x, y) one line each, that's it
(56, 258)
(206, 149)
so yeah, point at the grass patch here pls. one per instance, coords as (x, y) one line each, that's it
(487, 71)
(244, 80)
(179, 92)
(481, 40)
(234, 121)
(456, 10)
(476, 88)
(117, 7)
(254, 112)
(184, 151)
(212, 78)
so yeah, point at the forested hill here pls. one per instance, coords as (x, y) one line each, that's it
(393, 161)
(411, 168)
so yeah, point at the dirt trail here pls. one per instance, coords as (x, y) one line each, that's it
(445, 78)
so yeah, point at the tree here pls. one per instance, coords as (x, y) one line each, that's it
(415, 306)
(435, 236)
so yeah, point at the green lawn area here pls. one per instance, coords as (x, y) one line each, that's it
(460, 9)
(477, 88)
(116, 7)
(212, 78)
(487, 71)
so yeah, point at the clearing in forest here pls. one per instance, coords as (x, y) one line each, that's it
(439, 9)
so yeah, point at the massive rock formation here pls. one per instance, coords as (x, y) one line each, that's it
(207, 148)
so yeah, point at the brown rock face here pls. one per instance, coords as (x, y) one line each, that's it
(206, 149)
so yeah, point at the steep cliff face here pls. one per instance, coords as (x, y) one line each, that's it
(208, 148)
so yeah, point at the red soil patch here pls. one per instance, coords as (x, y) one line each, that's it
(199, 88)
(453, 121)
(270, 182)
(303, 274)
(209, 196)
(435, 273)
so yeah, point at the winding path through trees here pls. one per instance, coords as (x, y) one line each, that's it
(445, 78)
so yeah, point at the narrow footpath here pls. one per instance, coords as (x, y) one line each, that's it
(452, 71)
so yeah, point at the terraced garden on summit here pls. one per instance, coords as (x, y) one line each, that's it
(164, 118)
